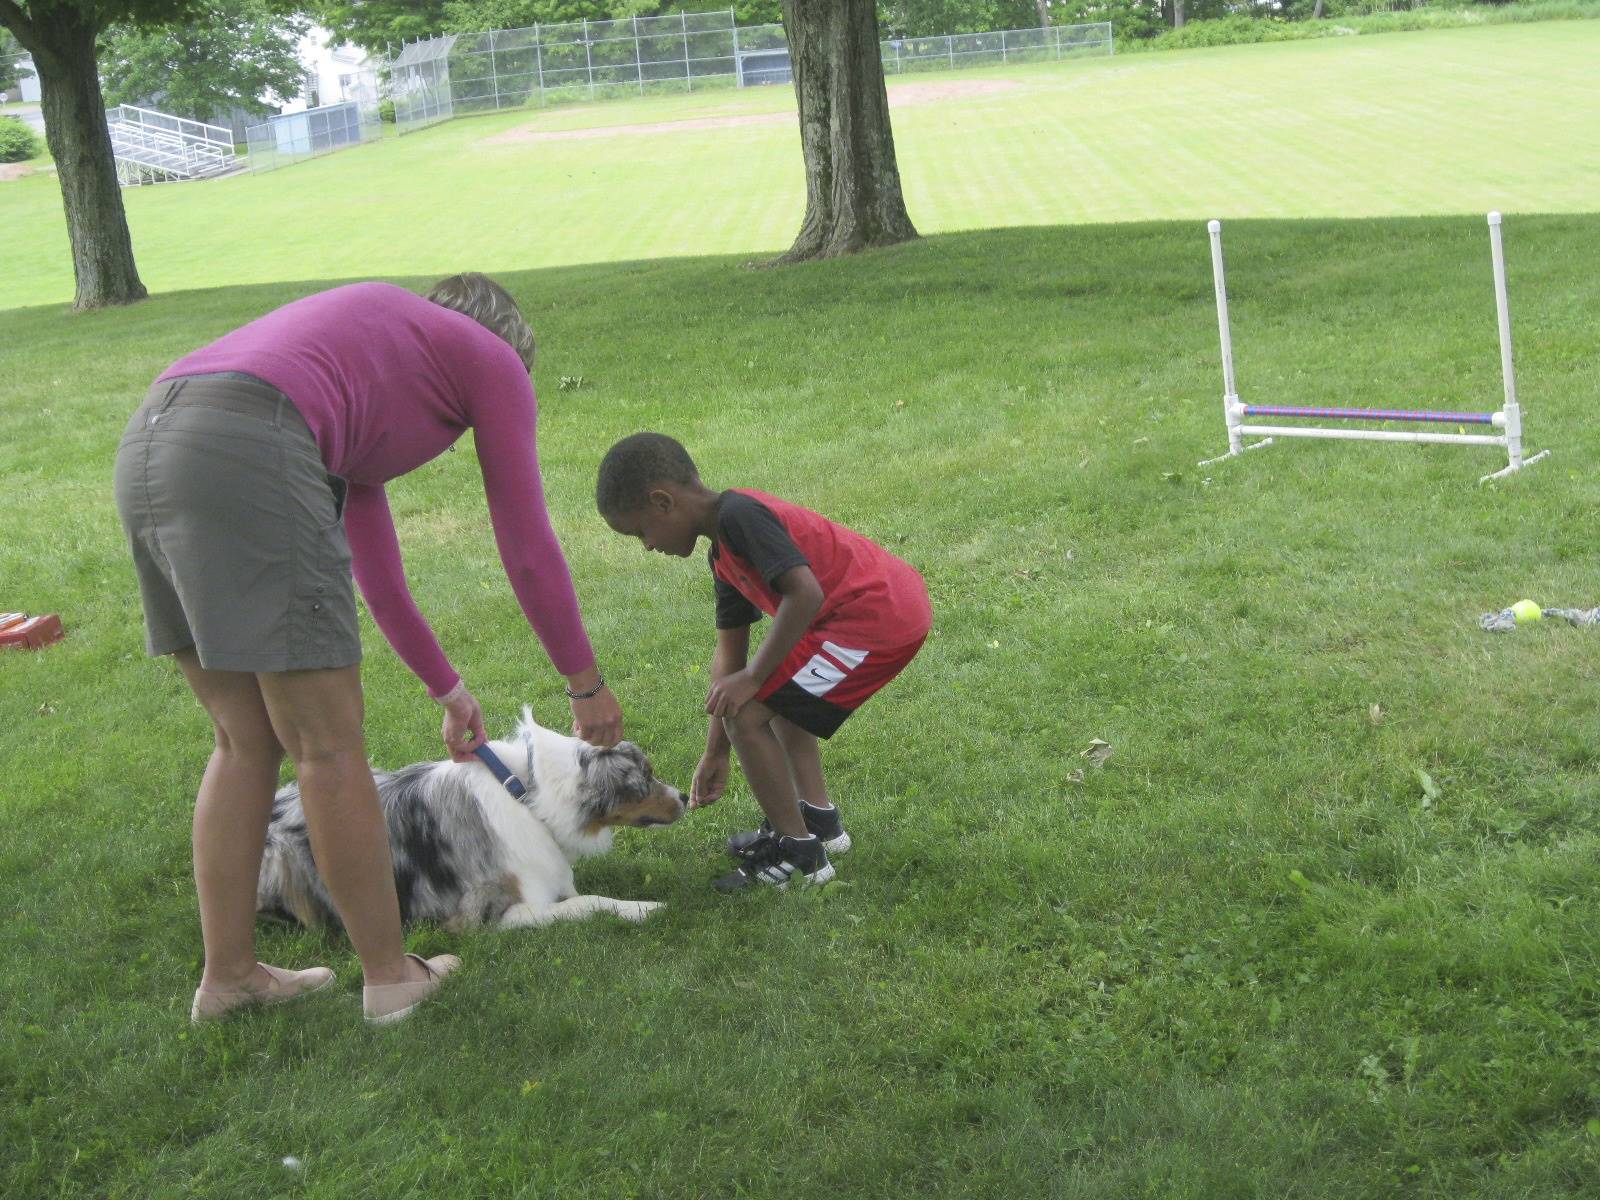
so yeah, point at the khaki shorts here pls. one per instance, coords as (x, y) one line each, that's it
(236, 528)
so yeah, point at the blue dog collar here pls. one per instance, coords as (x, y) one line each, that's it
(507, 780)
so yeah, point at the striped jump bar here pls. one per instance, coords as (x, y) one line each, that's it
(1507, 423)
(1373, 414)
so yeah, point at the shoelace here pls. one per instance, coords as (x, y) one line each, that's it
(765, 853)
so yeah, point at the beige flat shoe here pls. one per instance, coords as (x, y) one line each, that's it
(285, 986)
(387, 1003)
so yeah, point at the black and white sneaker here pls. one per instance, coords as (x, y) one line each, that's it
(776, 860)
(824, 823)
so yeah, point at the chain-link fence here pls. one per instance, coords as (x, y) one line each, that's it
(419, 83)
(508, 68)
(432, 80)
(295, 137)
(902, 55)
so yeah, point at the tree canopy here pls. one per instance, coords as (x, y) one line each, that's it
(934, 18)
(25, 19)
(230, 52)
(378, 24)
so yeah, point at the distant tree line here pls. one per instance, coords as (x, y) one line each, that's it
(376, 24)
(223, 55)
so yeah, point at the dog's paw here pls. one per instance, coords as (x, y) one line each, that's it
(637, 910)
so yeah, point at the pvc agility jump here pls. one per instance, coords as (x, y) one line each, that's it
(1507, 421)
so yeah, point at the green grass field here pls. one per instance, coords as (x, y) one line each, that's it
(1257, 955)
(1454, 121)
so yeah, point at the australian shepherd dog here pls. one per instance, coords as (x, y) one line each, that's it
(466, 852)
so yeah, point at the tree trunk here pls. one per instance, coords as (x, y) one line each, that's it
(853, 198)
(1316, 13)
(1044, 13)
(1177, 14)
(75, 129)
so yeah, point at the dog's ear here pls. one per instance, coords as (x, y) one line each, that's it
(615, 776)
(588, 753)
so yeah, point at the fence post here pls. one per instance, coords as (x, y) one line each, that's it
(738, 65)
(688, 77)
(638, 62)
(950, 45)
(588, 56)
(538, 57)
(494, 71)
(1003, 46)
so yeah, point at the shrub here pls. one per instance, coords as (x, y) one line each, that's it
(386, 111)
(1131, 20)
(17, 140)
(1233, 31)
(1344, 18)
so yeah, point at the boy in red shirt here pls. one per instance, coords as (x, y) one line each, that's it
(847, 617)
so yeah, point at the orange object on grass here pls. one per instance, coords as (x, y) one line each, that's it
(18, 631)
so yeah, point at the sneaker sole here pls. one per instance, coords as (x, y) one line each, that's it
(837, 845)
(814, 880)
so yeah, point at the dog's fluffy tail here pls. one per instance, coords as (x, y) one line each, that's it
(288, 888)
(527, 727)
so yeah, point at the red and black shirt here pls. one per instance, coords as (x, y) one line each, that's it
(870, 598)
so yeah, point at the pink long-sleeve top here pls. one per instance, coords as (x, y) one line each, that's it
(387, 381)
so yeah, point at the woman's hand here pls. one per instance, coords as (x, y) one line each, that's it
(463, 726)
(710, 779)
(598, 720)
(730, 693)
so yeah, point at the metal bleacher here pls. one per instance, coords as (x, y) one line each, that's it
(152, 147)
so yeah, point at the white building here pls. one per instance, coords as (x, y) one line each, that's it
(335, 73)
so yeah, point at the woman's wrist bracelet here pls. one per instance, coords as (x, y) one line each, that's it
(590, 694)
(453, 694)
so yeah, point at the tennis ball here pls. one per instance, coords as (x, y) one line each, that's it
(1525, 611)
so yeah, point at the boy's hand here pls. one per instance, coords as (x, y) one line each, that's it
(710, 780)
(730, 693)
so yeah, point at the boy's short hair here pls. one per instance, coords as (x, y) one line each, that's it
(635, 465)
(490, 305)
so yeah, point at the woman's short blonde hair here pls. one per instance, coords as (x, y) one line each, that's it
(491, 306)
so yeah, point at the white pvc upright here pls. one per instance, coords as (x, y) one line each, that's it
(1230, 391)
(1219, 281)
(1508, 373)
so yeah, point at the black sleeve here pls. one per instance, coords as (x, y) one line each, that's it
(733, 610)
(752, 531)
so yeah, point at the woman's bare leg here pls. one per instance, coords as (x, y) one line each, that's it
(231, 814)
(317, 716)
